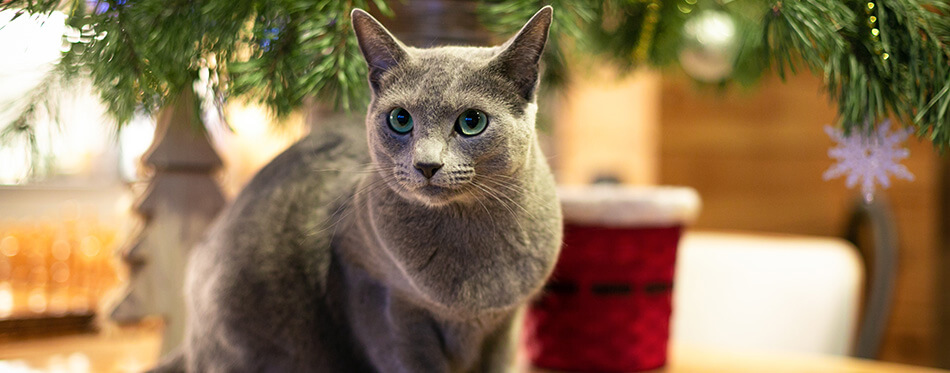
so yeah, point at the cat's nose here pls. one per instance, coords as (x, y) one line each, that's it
(428, 169)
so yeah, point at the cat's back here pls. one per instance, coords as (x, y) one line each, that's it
(265, 261)
(299, 191)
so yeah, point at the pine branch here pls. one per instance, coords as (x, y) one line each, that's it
(878, 59)
(39, 103)
(277, 52)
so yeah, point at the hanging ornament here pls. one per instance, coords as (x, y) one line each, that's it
(870, 159)
(709, 46)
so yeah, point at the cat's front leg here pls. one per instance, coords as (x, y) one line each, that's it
(401, 341)
(500, 351)
(228, 351)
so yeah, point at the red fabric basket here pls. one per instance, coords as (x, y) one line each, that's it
(607, 306)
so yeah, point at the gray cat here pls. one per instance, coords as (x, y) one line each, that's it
(410, 245)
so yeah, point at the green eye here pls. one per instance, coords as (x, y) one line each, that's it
(471, 122)
(400, 121)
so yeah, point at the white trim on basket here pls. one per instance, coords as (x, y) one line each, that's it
(627, 206)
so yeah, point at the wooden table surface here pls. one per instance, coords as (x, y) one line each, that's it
(133, 350)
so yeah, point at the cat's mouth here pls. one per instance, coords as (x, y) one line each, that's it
(442, 189)
(437, 195)
(436, 191)
(433, 189)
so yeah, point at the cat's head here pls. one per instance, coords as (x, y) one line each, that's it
(444, 122)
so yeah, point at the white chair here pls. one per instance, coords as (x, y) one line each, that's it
(767, 292)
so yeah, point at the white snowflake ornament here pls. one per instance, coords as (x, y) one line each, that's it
(869, 159)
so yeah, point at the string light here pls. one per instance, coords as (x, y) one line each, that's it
(648, 31)
(875, 31)
(686, 6)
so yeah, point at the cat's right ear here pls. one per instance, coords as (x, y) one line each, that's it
(380, 48)
(520, 55)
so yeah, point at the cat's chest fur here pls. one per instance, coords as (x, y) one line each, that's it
(439, 288)
(401, 336)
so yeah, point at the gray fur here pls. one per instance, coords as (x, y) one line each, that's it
(325, 264)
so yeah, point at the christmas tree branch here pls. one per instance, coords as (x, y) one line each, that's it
(877, 58)
(40, 103)
(140, 53)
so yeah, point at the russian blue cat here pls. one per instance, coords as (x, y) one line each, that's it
(409, 245)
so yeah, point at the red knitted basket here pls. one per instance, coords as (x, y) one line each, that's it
(607, 306)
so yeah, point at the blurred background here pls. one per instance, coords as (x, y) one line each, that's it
(80, 200)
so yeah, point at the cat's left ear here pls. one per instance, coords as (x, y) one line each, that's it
(520, 58)
(380, 48)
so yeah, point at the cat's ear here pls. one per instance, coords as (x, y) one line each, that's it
(520, 56)
(380, 48)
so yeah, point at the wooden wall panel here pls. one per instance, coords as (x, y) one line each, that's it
(942, 268)
(757, 157)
